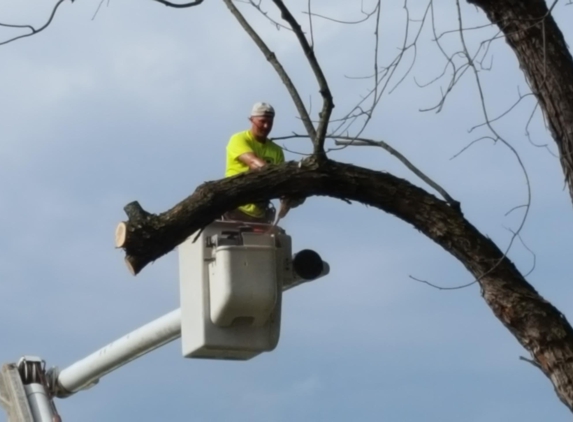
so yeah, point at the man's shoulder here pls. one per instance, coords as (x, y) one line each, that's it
(243, 134)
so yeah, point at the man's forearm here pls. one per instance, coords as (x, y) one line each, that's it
(251, 160)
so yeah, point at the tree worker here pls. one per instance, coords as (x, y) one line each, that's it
(252, 150)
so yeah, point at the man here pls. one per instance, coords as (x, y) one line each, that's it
(252, 150)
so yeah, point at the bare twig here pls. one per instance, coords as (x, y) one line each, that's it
(435, 286)
(528, 134)
(505, 113)
(552, 6)
(376, 53)
(471, 63)
(459, 70)
(496, 136)
(364, 19)
(180, 6)
(33, 30)
(328, 105)
(98, 8)
(367, 142)
(515, 209)
(257, 6)
(349, 118)
(531, 362)
(7, 25)
(304, 154)
(528, 249)
(456, 31)
(357, 141)
(384, 75)
(310, 24)
(475, 141)
(271, 57)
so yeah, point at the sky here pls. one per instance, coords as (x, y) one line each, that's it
(139, 102)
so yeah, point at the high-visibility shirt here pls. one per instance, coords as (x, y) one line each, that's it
(241, 143)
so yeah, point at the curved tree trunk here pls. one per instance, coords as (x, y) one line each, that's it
(544, 58)
(534, 322)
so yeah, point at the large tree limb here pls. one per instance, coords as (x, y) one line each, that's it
(544, 57)
(534, 322)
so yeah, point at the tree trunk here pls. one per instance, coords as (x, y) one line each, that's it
(534, 322)
(545, 60)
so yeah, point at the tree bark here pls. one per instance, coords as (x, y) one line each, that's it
(544, 58)
(536, 324)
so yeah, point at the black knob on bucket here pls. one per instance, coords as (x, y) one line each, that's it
(307, 264)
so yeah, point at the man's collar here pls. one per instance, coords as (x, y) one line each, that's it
(263, 141)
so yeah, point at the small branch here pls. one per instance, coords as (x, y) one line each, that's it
(357, 141)
(327, 106)
(258, 7)
(179, 6)
(135, 211)
(515, 209)
(7, 25)
(528, 134)
(31, 28)
(310, 24)
(271, 57)
(528, 249)
(367, 142)
(97, 10)
(489, 125)
(455, 31)
(383, 75)
(531, 362)
(475, 141)
(353, 141)
(435, 286)
(503, 114)
(364, 19)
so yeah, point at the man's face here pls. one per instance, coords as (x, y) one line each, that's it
(261, 126)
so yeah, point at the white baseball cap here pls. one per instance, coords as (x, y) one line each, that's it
(262, 109)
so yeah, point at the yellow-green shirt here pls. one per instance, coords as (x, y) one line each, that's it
(241, 143)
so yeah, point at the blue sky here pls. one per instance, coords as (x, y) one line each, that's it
(138, 104)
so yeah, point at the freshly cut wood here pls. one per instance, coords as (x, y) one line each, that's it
(120, 235)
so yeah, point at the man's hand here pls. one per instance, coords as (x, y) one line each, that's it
(289, 202)
(294, 202)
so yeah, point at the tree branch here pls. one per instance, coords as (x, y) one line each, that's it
(327, 105)
(179, 6)
(271, 57)
(535, 323)
(348, 140)
(30, 27)
(358, 141)
(150, 236)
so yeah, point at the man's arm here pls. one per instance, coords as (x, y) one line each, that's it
(251, 160)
